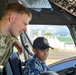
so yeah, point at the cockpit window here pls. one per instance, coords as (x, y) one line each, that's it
(59, 38)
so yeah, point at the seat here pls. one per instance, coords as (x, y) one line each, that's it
(15, 63)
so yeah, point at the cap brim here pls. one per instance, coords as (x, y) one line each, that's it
(45, 47)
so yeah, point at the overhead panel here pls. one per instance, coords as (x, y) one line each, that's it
(67, 5)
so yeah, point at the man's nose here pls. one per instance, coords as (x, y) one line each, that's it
(25, 28)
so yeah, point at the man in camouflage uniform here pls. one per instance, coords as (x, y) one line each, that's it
(14, 21)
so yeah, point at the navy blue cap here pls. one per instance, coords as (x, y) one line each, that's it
(41, 43)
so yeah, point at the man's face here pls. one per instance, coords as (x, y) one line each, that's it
(19, 24)
(42, 55)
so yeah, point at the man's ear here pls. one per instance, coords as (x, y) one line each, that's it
(12, 17)
(34, 50)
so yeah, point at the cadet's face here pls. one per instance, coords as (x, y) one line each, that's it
(42, 55)
(19, 24)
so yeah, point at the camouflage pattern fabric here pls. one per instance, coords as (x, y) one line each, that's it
(34, 67)
(5, 48)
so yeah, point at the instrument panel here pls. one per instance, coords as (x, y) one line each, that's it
(68, 5)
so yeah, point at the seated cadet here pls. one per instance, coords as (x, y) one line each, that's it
(49, 73)
(37, 64)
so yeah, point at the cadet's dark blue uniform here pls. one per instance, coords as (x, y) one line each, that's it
(34, 67)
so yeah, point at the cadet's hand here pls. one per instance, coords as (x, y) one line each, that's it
(19, 46)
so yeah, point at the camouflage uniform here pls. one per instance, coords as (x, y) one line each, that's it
(34, 67)
(5, 45)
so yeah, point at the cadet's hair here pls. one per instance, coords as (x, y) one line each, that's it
(16, 7)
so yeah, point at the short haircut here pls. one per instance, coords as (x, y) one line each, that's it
(18, 8)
